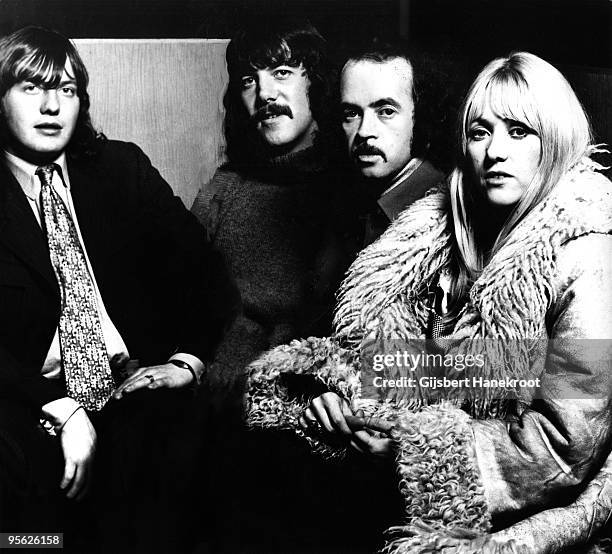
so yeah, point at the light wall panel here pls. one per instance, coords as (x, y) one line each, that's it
(164, 95)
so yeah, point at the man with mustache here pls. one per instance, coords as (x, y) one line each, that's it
(397, 116)
(112, 300)
(389, 117)
(267, 208)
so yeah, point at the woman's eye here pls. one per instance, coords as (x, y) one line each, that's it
(518, 132)
(477, 134)
(30, 88)
(68, 91)
(349, 114)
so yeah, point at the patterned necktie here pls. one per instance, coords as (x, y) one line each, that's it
(88, 375)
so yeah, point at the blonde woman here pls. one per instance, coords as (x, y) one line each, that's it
(516, 253)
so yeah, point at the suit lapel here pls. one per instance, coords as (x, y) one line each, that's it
(94, 195)
(20, 231)
(88, 199)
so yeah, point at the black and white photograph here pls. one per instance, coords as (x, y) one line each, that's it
(306, 276)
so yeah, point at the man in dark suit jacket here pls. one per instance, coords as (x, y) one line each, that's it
(158, 295)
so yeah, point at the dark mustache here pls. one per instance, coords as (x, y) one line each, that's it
(271, 109)
(365, 149)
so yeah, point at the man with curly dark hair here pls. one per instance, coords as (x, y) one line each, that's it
(289, 52)
(267, 209)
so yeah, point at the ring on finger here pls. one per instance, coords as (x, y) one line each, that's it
(315, 425)
(150, 378)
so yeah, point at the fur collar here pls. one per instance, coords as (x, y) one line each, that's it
(385, 295)
(383, 300)
(385, 290)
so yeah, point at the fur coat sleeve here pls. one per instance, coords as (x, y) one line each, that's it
(545, 453)
(467, 472)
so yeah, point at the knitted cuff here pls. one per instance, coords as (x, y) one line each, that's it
(439, 478)
(282, 382)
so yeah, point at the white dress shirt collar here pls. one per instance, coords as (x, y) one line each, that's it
(25, 173)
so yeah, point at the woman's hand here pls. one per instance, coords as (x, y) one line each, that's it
(155, 377)
(371, 435)
(334, 415)
(327, 411)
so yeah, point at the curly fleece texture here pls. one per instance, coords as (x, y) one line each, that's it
(384, 296)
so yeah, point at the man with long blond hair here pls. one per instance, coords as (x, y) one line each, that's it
(111, 299)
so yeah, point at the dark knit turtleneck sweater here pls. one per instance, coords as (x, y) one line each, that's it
(272, 226)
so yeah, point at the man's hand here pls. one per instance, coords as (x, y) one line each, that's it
(335, 416)
(78, 440)
(155, 377)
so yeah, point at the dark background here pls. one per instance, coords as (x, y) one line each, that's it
(572, 34)
(563, 31)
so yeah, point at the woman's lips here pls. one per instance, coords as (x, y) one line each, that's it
(496, 177)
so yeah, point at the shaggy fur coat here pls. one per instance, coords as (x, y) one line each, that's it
(475, 463)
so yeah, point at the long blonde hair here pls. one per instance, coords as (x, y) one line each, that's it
(524, 88)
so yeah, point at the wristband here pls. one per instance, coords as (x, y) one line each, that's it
(61, 427)
(185, 365)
